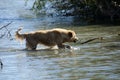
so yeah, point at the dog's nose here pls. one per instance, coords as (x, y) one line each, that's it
(75, 40)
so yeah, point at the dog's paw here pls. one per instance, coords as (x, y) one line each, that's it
(68, 47)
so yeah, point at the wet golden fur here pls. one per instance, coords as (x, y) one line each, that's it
(49, 38)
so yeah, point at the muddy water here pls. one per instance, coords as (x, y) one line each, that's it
(96, 60)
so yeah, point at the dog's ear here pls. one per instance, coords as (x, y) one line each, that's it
(70, 34)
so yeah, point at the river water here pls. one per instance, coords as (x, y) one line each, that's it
(96, 60)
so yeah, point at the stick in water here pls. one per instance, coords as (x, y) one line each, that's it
(1, 64)
(91, 40)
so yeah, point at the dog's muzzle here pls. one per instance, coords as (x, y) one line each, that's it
(75, 40)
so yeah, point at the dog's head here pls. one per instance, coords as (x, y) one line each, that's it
(72, 36)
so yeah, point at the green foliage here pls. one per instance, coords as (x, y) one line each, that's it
(38, 5)
(87, 9)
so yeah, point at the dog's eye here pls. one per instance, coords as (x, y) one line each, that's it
(70, 34)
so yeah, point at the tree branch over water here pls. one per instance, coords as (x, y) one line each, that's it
(6, 32)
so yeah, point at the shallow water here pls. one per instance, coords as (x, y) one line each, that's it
(96, 60)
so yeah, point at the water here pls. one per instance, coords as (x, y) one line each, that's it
(96, 60)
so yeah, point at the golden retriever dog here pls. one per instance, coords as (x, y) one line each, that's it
(49, 38)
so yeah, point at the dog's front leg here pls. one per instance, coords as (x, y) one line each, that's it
(63, 46)
(30, 46)
(67, 46)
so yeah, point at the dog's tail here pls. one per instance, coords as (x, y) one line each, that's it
(18, 35)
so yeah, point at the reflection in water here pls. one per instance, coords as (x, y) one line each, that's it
(85, 63)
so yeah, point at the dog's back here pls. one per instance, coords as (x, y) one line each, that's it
(50, 37)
